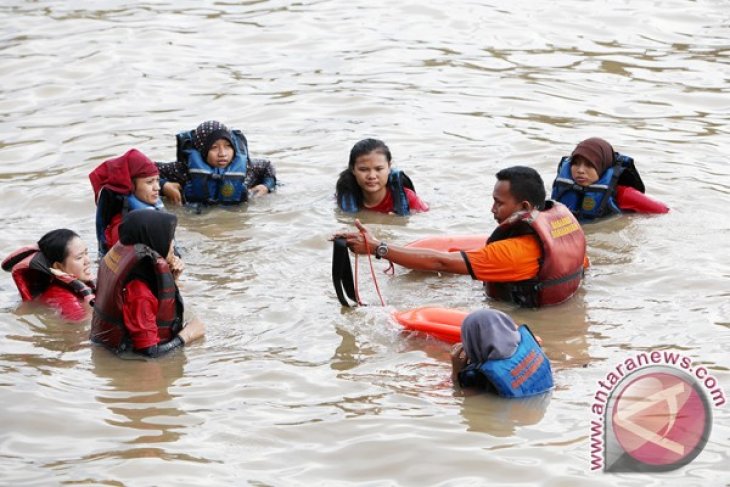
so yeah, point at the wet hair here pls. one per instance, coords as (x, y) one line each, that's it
(346, 182)
(54, 244)
(525, 184)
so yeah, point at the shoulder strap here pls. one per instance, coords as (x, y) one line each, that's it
(13, 259)
(630, 175)
(241, 144)
(397, 181)
(184, 143)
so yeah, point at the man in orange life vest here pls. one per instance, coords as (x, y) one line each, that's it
(534, 257)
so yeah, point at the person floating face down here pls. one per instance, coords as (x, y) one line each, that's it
(535, 239)
(130, 182)
(216, 151)
(590, 163)
(497, 355)
(138, 304)
(370, 183)
(55, 272)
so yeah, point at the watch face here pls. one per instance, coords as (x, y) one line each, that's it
(381, 250)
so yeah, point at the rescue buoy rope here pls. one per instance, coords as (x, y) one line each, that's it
(372, 273)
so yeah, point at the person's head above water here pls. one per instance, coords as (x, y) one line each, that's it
(489, 334)
(131, 173)
(368, 146)
(589, 160)
(215, 143)
(65, 251)
(156, 229)
(518, 188)
(370, 161)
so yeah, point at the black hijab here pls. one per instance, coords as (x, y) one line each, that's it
(155, 229)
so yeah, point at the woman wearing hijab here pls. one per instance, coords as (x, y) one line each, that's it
(595, 182)
(123, 184)
(138, 305)
(497, 355)
(214, 167)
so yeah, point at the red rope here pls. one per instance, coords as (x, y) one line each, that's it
(372, 273)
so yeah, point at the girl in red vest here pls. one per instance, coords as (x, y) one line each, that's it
(56, 272)
(138, 305)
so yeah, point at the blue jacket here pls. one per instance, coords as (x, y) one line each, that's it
(210, 185)
(527, 372)
(597, 200)
(397, 182)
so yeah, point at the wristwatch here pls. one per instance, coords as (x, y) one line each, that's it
(381, 250)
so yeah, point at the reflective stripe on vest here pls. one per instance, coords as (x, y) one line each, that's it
(527, 372)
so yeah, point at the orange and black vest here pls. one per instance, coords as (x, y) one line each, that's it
(32, 275)
(107, 323)
(563, 249)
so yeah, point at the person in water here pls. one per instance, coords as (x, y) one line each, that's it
(497, 355)
(138, 304)
(214, 167)
(370, 183)
(55, 272)
(594, 182)
(534, 257)
(123, 184)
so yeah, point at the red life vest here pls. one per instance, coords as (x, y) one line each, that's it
(107, 323)
(563, 246)
(32, 275)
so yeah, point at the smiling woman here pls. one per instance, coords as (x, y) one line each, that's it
(56, 272)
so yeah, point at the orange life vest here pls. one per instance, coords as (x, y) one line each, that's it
(563, 246)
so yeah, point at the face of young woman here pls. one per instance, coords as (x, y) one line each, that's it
(220, 154)
(147, 189)
(583, 171)
(371, 172)
(77, 262)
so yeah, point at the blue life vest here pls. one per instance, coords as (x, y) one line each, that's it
(397, 182)
(211, 185)
(598, 199)
(111, 203)
(527, 372)
(134, 203)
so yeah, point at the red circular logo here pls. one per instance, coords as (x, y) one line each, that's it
(661, 418)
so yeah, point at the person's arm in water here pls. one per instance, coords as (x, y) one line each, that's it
(140, 318)
(458, 361)
(463, 375)
(363, 242)
(173, 176)
(191, 332)
(260, 177)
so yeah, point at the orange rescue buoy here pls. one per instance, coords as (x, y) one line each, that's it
(450, 243)
(441, 323)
